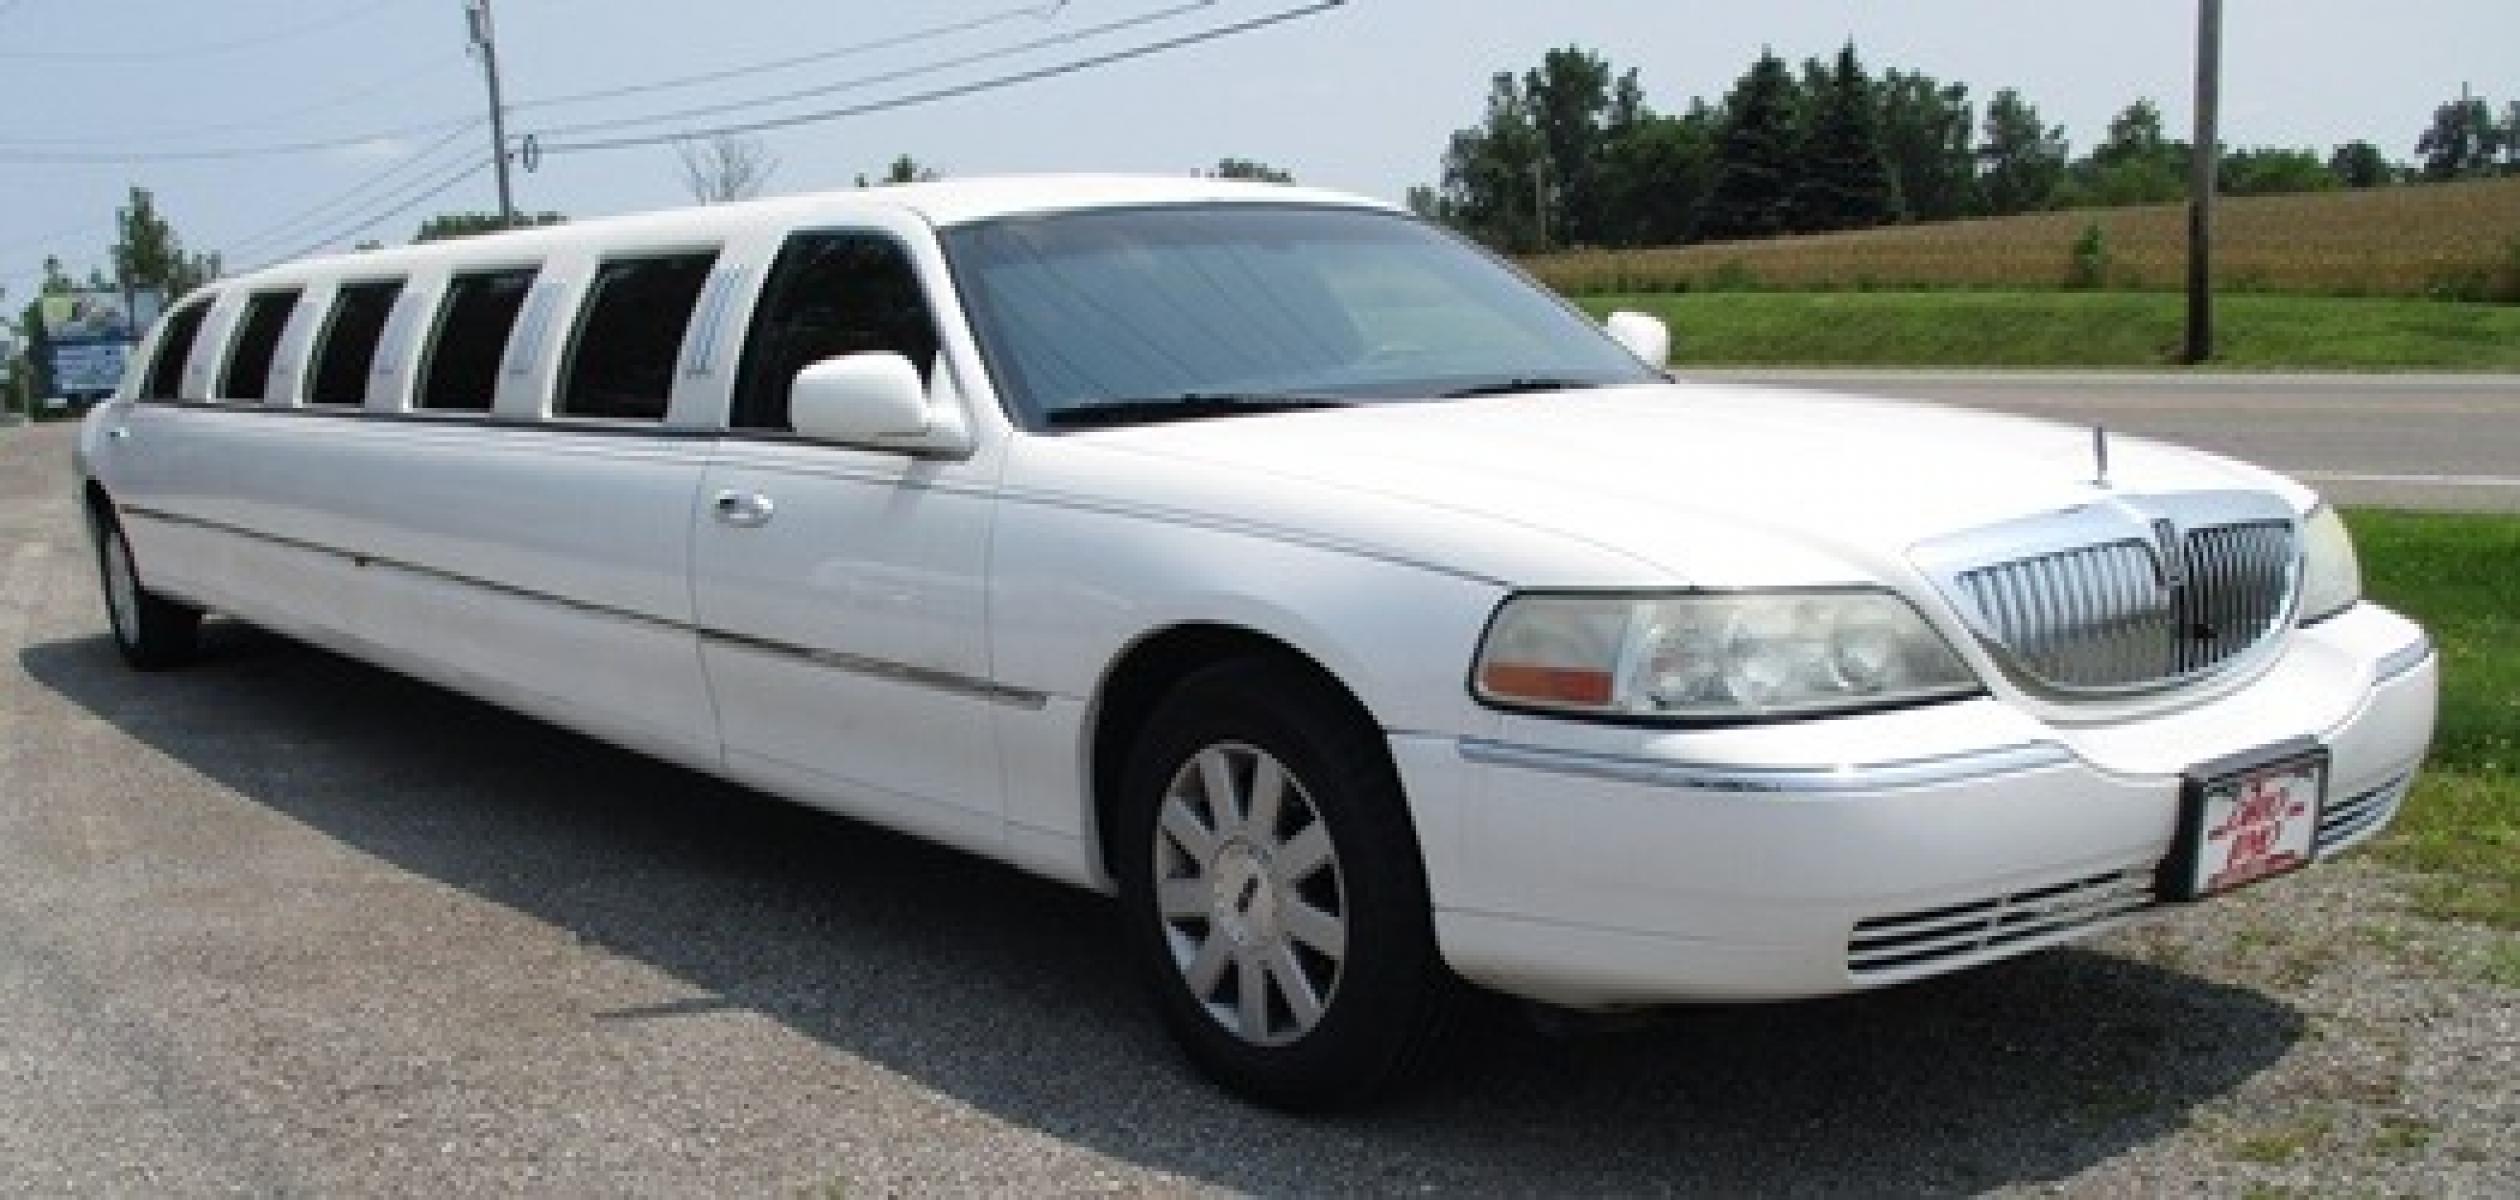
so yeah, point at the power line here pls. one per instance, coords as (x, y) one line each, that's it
(1068, 37)
(223, 153)
(418, 162)
(13, 246)
(994, 83)
(255, 122)
(317, 25)
(403, 204)
(931, 33)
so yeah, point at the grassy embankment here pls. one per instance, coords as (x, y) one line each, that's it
(2074, 329)
(2458, 575)
(2391, 278)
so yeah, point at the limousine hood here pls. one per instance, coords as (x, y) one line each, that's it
(1710, 485)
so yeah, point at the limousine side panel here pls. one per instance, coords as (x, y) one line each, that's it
(549, 566)
(842, 600)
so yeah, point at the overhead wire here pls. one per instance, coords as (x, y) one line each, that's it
(1040, 12)
(994, 83)
(228, 153)
(302, 29)
(425, 159)
(403, 203)
(254, 122)
(1066, 37)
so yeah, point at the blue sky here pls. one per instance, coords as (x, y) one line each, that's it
(1361, 97)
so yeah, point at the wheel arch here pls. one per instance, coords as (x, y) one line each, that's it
(100, 507)
(1138, 680)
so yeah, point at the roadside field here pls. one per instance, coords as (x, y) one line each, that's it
(2458, 575)
(2458, 240)
(2073, 329)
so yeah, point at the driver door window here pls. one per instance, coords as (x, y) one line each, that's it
(829, 294)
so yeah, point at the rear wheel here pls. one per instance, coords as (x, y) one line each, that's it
(1276, 903)
(153, 632)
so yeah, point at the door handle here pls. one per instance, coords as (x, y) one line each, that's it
(743, 510)
(120, 433)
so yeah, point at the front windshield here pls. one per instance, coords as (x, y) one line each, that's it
(1202, 306)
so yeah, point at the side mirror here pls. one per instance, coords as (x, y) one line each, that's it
(868, 397)
(1644, 335)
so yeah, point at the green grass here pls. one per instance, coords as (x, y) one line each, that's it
(2074, 329)
(2460, 576)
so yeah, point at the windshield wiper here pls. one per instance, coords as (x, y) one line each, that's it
(1508, 387)
(1186, 406)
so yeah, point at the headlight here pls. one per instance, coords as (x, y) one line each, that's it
(1713, 656)
(2331, 577)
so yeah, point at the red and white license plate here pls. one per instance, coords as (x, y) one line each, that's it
(2248, 823)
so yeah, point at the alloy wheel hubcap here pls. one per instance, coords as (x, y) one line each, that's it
(1250, 895)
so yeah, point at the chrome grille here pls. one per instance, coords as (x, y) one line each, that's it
(2117, 615)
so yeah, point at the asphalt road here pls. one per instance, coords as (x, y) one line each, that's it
(284, 924)
(2410, 441)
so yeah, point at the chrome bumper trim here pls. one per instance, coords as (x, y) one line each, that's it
(1833, 779)
(2402, 660)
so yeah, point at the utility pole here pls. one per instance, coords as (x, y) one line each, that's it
(2204, 171)
(485, 42)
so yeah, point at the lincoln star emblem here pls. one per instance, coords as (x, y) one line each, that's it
(2166, 553)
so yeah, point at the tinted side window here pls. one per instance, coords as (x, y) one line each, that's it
(472, 332)
(257, 339)
(829, 294)
(629, 336)
(348, 349)
(166, 372)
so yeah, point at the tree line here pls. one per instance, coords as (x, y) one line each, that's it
(1569, 153)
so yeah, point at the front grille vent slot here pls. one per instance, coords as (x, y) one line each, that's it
(1958, 934)
(2109, 617)
(2345, 821)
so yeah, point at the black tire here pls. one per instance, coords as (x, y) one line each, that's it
(153, 632)
(1381, 1006)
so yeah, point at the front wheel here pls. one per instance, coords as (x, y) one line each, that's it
(1276, 902)
(153, 632)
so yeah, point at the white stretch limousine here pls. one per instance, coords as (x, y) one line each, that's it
(1361, 615)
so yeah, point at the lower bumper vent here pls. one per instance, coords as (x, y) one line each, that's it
(1955, 935)
(2344, 822)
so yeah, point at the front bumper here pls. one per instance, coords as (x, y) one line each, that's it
(1596, 866)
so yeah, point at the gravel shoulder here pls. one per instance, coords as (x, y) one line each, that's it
(286, 924)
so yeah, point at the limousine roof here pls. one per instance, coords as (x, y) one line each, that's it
(943, 203)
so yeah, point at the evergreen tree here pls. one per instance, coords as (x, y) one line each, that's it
(1757, 158)
(2461, 140)
(1251, 169)
(1656, 173)
(1845, 182)
(2359, 164)
(1488, 188)
(1927, 132)
(2024, 158)
(1569, 97)
(148, 256)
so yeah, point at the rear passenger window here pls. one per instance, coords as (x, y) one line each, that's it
(166, 371)
(347, 352)
(630, 335)
(829, 294)
(257, 340)
(462, 370)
